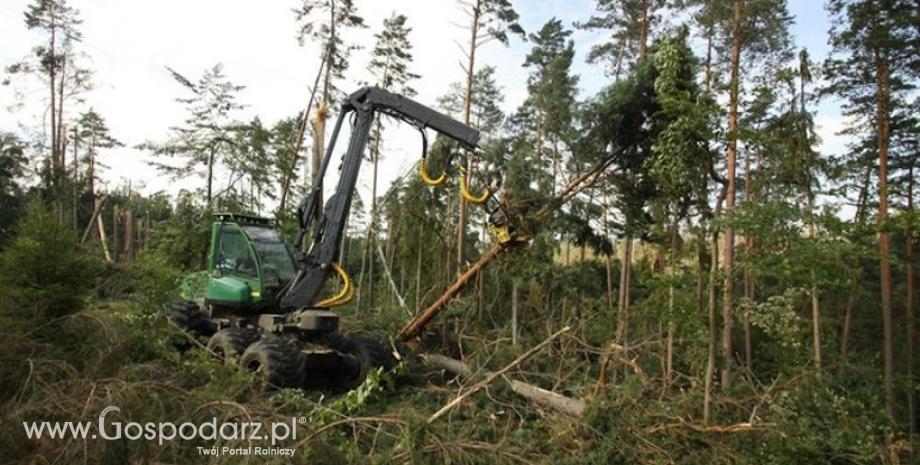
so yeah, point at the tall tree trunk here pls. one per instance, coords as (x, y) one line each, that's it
(129, 234)
(623, 313)
(470, 69)
(91, 178)
(748, 279)
(116, 249)
(815, 303)
(713, 328)
(860, 218)
(365, 256)
(372, 230)
(672, 328)
(55, 161)
(448, 277)
(609, 257)
(909, 306)
(882, 122)
(700, 277)
(62, 133)
(319, 119)
(76, 180)
(729, 254)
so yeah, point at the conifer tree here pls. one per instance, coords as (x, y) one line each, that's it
(206, 138)
(323, 22)
(56, 62)
(867, 69)
(93, 134)
(390, 60)
(489, 20)
(630, 24)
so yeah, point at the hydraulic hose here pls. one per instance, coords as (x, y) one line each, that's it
(427, 180)
(466, 193)
(345, 295)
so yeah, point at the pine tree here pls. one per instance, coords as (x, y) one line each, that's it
(867, 69)
(630, 24)
(207, 137)
(489, 20)
(552, 89)
(323, 21)
(390, 60)
(93, 134)
(757, 37)
(57, 63)
(485, 113)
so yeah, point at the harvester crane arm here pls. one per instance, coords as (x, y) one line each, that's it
(328, 224)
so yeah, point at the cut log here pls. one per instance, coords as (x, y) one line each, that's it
(540, 396)
(421, 321)
(553, 400)
(448, 364)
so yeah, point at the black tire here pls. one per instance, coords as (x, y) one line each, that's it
(229, 343)
(372, 352)
(281, 362)
(188, 316)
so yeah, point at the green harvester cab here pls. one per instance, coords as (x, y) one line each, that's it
(248, 265)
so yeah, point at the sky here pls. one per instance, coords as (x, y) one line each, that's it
(130, 43)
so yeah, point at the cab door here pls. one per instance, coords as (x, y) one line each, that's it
(236, 278)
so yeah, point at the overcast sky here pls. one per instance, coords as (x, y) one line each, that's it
(130, 43)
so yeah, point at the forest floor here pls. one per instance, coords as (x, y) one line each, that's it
(124, 354)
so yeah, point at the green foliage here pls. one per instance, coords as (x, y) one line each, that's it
(778, 318)
(324, 21)
(496, 18)
(374, 388)
(44, 274)
(803, 419)
(485, 104)
(182, 241)
(629, 23)
(12, 170)
(680, 152)
(206, 140)
(392, 55)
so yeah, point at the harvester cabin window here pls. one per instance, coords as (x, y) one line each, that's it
(234, 255)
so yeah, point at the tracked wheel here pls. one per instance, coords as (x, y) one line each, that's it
(229, 343)
(188, 316)
(372, 352)
(281, 362)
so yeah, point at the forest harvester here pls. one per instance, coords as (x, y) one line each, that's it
(259, 300)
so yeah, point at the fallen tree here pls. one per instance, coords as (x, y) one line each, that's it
(540, 396)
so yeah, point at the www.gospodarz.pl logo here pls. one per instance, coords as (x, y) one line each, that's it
(168, 431)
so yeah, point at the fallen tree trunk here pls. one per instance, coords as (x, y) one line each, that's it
(500, 373)
(549, 399)
(553, 400)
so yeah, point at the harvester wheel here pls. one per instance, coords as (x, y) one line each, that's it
(229, 343)
(188, 316)
(281, 362)
(372, 352)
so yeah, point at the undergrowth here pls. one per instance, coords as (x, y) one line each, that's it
(108, 344)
